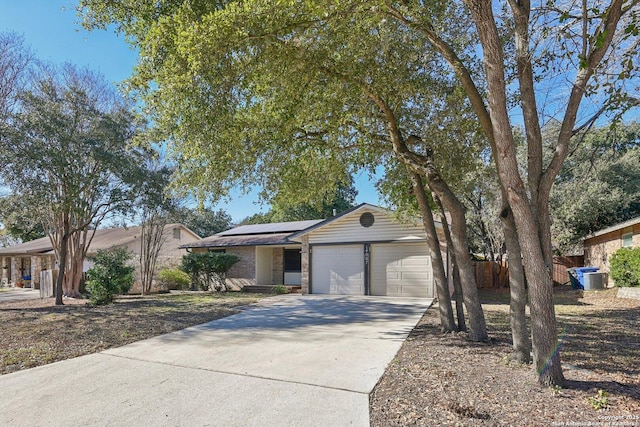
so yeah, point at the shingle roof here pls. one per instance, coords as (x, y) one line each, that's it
(219, 241)
(615, 227)
(34, 246)
(104, 238)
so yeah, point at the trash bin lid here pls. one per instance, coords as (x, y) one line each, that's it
(587, 269)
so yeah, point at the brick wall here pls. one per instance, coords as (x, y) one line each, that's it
(278, 266)
(305, 264)
(598, 250)
(244, 272)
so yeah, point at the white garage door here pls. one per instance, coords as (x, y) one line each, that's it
(337, 270)
(401, 269)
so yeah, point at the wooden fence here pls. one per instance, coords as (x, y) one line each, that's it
(495, 275)
(560, 266)
(491, 275)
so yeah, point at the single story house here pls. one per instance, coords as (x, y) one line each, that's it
(365, 250)
(599, 246)
(24, 262)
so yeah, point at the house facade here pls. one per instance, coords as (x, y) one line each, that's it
(25, 263)
(365, 250)
(601, 245)
(267, 256)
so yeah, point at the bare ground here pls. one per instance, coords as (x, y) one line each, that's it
(36, 332)
(436, 379)
(444, 379)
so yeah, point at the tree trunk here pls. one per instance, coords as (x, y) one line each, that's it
(151, 243)
(75, 257)
(477, 325)
(62, 262)
(457, 286)
(543, 322)
(518, 291)
(439, 277)
(424, 165)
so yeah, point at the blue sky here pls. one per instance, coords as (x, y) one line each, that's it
(51, 29)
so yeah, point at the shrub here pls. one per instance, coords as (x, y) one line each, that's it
(625, 267)
(173, 278)
(208, 269)
(279, 290)
(109, 276)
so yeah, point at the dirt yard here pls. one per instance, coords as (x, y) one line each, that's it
(36, 332)
(445, 380)
(435, 379)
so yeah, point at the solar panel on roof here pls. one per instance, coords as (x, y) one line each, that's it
(276, 227)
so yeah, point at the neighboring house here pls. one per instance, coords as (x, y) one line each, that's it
(362, 251)
(599, 246)
(25, 261)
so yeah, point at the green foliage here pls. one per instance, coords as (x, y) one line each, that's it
(600, 401)
(19, 224)
(625, 267)
(208, 269)
(258, 218)
(203, 222)
(110, 275)
(339, 200)
(173, 278)
(598, 186)
(65, 153)
(279, 290)
(284, 210)
(287, 103)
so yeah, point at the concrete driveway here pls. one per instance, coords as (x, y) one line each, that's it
(292, 361)
(18, 294)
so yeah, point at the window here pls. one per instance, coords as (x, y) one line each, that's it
(627, 240)
(292, 260)
(176, 233)
(217, 251)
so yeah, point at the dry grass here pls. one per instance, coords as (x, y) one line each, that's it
(441, 379)
(37, 332)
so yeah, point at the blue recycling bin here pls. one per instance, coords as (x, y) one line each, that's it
(573, 278)
(580, 271)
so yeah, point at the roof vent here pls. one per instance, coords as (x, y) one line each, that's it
(367, 219)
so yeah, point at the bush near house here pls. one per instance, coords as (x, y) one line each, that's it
(110, 275)
(625, 267)
(173, 278)
(208, 269)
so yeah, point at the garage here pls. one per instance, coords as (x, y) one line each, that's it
(402, 270)
(366, 250)
(338, 270)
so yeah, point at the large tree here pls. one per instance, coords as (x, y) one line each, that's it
(213, 55)
(576, 49)
(64, 153)
(227, 89)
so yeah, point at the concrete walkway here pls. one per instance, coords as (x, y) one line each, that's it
(293, 361)
(18, 294)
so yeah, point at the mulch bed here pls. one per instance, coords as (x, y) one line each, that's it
(444, 379)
